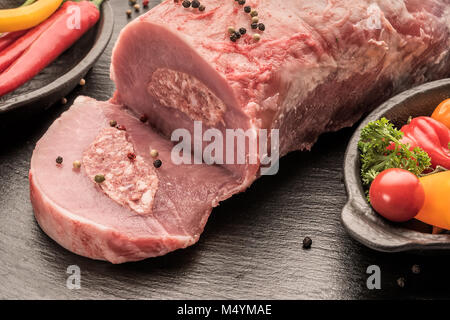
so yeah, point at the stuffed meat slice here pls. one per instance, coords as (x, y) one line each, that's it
(119, 205)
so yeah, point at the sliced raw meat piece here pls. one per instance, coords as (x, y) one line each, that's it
(74, 210)
(319, 66)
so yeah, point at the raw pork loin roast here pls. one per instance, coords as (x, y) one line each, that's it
(319, 66)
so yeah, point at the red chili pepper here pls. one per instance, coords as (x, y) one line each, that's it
(7, 39)
(430, 135)
(10, 54)
(54, 40)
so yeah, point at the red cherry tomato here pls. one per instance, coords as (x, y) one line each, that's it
(397, 195)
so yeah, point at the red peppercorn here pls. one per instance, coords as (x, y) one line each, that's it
(121, 127)
(131, 156)
(143, 118)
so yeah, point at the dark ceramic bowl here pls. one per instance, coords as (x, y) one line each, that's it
(358, 217)
(63, 74)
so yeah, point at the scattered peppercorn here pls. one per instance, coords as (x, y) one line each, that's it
(77, 164)
(143, 118)
(231, 30)
(63, 101)
(82, 82)
(154, 153)
(261, 27)
(256, 37)
(186, 3)
(253, 13)
(255, 19)
(59, 160)
(128, 13)
(121, 127)
(157, 163)
(131, 156)
(113, 123)
(137, 7)
(201, 8)
(195, 4)
(233, 37)
(145, 3)
(247, 9)
(241, 2)
(415, 269)
(238, 35)
(401, 282)
(99, 178)
(254, 26)
(307, 242)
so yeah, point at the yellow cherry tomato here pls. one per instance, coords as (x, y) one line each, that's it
(26, 17)
(436, 210)
(442, 113)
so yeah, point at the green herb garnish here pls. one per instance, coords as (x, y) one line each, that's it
(381, 149)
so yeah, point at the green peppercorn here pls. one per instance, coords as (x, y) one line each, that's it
(154, 153)
(99, 178)
(256, 37)
(59, 160)
(253, 13)
(77, 164)
(113, 123)
(157, 163)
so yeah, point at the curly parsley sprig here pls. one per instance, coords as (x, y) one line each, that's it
(381, 149)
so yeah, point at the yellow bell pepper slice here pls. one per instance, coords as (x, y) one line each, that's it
(436, 210)
(26, 17)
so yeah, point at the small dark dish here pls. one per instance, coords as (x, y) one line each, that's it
(63, 74)
(358, 217)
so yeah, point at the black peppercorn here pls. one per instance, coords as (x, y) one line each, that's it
(254, 25)
(307, 242)
(157, 163)
(242, 30)
(238, 35)
(201, 8)
(59, 160)
(195, 4)
(233, 37)
(247, 9)
(186, 3)
(241, 2)
(261, 27)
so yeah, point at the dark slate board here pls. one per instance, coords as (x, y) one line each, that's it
(251, 247)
